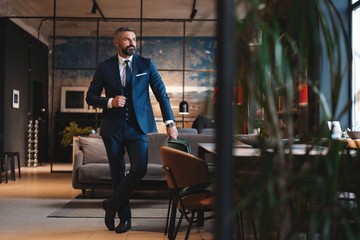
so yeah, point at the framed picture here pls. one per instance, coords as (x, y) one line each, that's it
(16, 98)
(73, 100)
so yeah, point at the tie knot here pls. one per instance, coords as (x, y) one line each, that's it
(127, 62)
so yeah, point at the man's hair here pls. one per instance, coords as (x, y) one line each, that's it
(124, 29)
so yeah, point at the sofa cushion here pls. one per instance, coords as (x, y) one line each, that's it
(100, 173)
(95, 173)
(156, 140)
(94, 150)
(154, 172)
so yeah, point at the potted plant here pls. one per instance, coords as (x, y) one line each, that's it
(313, 30)
(73, 130)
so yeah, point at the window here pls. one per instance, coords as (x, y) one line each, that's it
(356, 63)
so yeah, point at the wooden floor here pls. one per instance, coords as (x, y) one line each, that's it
(26, 203)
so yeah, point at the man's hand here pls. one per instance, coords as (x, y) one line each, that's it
(172, 132)
(118, 101)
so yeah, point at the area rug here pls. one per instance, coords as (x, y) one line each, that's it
(92, 208)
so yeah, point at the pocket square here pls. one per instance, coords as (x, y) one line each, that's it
(140, 74)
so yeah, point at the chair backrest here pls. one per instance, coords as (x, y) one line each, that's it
(186, 169)
(180, 144)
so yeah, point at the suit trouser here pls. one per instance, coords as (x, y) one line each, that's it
(130, 139)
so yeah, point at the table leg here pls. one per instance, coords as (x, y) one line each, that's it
(200, 219)
(6, 167)
(12, 167)
(18, 158)
(201, 153)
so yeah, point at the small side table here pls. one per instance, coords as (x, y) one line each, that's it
(8, 158)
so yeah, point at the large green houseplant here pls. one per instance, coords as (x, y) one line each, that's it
(73, 130)
(279, 44)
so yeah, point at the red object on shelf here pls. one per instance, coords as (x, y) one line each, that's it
(214, 96)
(240, 94)
(303, 94)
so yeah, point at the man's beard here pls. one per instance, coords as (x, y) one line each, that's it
(129, 50)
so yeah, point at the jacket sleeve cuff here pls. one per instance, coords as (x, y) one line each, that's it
(109, 105)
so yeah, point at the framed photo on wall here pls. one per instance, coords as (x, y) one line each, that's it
(73, 100)
(16, 98)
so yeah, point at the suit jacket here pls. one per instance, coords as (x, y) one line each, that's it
(144, 74)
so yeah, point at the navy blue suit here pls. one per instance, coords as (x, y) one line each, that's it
(120, 134)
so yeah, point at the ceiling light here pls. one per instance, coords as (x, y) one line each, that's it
(193, 13)
(184, 107)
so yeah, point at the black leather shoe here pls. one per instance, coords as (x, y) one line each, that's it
(109, 215)
(123, 226)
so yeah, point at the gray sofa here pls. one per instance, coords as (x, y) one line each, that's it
(90, 163)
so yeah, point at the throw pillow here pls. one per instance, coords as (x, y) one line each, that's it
(94, 150)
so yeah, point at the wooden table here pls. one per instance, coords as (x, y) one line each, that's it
(249, 165)
(249, 160)
(246, 151)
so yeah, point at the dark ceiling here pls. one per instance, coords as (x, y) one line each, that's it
(79, 17)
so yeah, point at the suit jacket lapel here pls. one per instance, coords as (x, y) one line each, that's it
(135, 67)
(115, 67)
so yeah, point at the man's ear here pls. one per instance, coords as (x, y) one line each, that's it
(116, 42)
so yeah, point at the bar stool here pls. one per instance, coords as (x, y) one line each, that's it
(3, 168)
(8, 158)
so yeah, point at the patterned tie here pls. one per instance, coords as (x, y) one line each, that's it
(127, 72)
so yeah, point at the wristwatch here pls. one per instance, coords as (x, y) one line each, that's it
(169, 125)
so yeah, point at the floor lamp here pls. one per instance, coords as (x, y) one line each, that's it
(184, 106)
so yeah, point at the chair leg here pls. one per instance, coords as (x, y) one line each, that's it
(239, 225)
(253, 223)
(178, 226)
(240, 232)
(171, 227)
(189, 226)
(168, 216)
(200, 219)
(254, 229)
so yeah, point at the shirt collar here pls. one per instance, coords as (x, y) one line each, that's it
(121, 59)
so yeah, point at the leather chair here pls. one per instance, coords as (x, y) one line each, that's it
(185, 147)
(187, 131)
(208, 131)
(188, 179)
